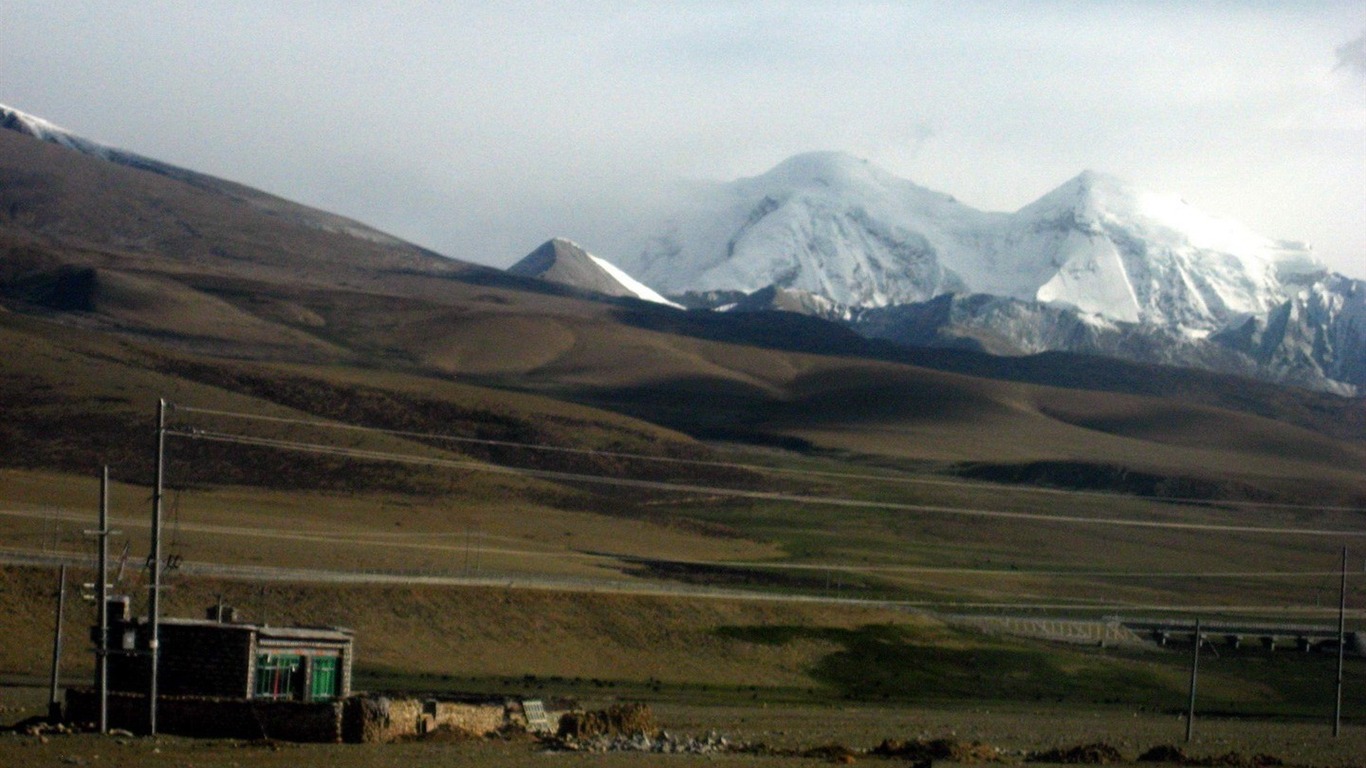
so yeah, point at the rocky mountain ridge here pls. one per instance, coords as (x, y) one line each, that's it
(1095, 266)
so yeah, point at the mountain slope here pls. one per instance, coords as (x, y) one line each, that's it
(19, 122)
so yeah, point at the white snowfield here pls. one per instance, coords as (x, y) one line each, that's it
(631, 284)
(836, 226)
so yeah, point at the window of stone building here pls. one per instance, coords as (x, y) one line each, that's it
(278, 676)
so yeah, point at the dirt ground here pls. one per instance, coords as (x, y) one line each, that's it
(1015, 733)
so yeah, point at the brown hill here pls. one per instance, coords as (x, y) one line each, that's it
(230, 282)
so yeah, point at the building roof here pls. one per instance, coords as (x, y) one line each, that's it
(315, 633)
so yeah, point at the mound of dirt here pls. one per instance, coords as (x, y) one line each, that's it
(1237, 760)
(1165, 753)
(924, 751)
(1098, 753)
(835, 753)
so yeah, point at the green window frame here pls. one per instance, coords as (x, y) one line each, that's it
(323, 686)
(278, 675)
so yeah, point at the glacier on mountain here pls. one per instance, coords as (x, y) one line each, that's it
(1094, 266)
(839, 227)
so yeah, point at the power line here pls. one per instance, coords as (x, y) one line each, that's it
(746, 466)
(657, 485)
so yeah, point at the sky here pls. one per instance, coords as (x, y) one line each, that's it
(482, 129)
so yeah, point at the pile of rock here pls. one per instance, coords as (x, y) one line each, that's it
(42, 726)
(662, 743)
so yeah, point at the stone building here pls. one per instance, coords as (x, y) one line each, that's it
(224, 658)
(222, 678)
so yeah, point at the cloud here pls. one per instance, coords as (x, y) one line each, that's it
(1352, 56)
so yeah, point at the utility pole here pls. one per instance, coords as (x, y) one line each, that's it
(102, 603)
(1195, 672)
(154, 564)
(1342, 645)
(54, 705)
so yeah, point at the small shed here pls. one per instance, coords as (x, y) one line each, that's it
(224, 658)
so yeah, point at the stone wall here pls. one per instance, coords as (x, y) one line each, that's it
(206, 717)
(384, 718)
(358, 719)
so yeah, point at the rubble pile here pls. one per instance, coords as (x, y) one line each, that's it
(662, 743)
(42, 726)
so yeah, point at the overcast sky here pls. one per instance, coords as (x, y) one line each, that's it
(482, 129)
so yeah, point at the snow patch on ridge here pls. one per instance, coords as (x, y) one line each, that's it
(631, 284)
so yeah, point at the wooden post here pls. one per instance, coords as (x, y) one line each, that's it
(102, 605)
(54, 705)
(1342, 645)
(1195, 671)
(154, 564)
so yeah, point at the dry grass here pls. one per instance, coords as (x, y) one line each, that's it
(481, 631)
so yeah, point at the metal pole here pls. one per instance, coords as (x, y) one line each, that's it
(1195, 671)
(154, 563)
(54, 706)
(1342, 645)
(102, 604)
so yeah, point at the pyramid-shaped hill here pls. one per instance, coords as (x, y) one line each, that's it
(567, 263)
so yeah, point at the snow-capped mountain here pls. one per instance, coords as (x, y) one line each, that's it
(839, 227)
(824, 223)
(1094, 266)
(1106, 248)
(1320, 330)
(567, 263)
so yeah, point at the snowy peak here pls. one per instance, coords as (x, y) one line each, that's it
(825, 223)
(834, 170)
(567, 263)
(836, 226)
(1109, 248)
(1101, 199)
